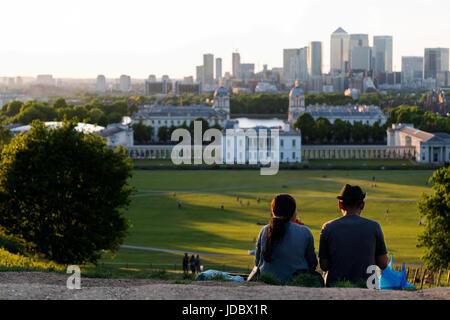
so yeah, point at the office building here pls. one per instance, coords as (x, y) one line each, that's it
(412, 72)
(236, 64)
(435, 60)
(101, 83)
(199, 74)
(208, 69)
(339, 51)
(382, 53)
(218, 69)
(361, 59)
(125, 83)
(315, 58)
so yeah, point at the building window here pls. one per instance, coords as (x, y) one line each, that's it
(281, 143)
(293, 155)
(281, 155)
(293, 142)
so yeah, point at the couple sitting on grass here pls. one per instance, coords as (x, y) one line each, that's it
(348, 245)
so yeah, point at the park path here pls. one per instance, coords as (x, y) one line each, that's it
(126, 246)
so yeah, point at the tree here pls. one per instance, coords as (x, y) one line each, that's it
(95, 114)
(307, 125)
(142, 134)
(13, 108)
(163, 134)
(63, 193)
(324, 130)
(60, 103)
(435, 209)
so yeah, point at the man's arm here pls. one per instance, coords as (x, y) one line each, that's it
(324, 260)
(382, 261)
(381, 257)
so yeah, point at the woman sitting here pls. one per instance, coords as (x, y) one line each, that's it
(285, 248)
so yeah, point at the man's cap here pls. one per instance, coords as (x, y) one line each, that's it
(351, 193)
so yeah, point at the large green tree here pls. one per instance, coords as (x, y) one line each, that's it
(435, 209)
(64, 192)
(305, 122)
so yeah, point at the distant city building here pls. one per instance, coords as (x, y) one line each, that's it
(236, 64)
(125, 83)
(208, 69)
(339, 51)
(199, 74)
(247, 71)
(294, 60)
(435, 60)
(429, 147)
(443, 79)
(153, 87)
(265, 87)
(361, 59)
(218, 69)
(358, 40)
(412, 72)
(101, 83)
(152, 78)
(382, 53)
(45, 79)
(188, 87)
(315, 58)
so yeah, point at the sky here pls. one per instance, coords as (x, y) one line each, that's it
(84, 38)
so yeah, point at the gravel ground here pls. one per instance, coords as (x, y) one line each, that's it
(39, 286)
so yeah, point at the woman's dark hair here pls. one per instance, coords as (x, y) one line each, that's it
(283, 208)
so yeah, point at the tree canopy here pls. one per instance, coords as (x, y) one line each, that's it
(435, 209)
(63, 192)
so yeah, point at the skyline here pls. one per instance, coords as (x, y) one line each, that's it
(83, 39)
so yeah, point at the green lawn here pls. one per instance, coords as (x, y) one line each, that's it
(201, 226)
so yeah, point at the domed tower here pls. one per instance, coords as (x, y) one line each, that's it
(222, 101)
(296, 103)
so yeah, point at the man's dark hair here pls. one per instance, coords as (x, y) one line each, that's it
(351, 204)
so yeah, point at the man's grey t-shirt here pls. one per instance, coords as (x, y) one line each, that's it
(293, 253)
(350, 244)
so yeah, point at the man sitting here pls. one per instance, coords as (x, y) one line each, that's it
(348, 245)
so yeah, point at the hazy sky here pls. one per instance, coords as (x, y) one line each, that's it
(84, 38)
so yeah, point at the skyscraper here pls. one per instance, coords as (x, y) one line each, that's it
(382, 53)
(289, 56)
(208, 68)
(199, 74)
(436, 59)
(412, 71)
(361, 59)
(101, 83)
(236, 64)
(339, 51)
(315, 58)
(218, 69)
(125, 83)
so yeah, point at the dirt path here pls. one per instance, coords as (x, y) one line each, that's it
(36, 285)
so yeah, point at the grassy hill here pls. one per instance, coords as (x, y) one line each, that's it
(201, 226)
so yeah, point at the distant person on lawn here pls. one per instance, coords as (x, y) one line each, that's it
(284, 247)
(192, 263)
(197, 263)
(185, 263)
(348, 245)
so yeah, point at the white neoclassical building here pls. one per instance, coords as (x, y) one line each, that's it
(429, 147)
(164, 115)
(351, 113)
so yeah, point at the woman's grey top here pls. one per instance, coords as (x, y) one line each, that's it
(295, 251)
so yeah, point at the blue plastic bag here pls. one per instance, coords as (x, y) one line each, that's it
(207, 275)
(394, 280)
